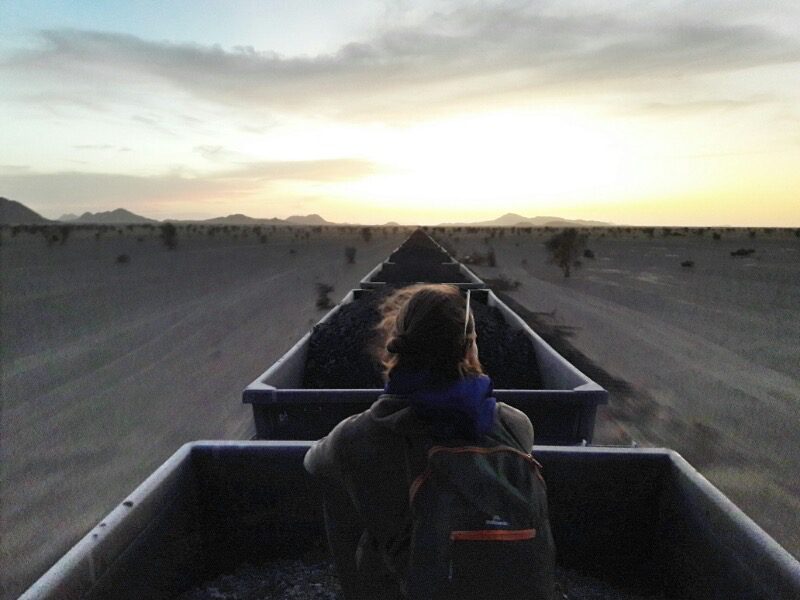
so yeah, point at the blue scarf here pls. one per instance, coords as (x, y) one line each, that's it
(457, 409)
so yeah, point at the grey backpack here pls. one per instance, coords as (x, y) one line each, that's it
(480, 527)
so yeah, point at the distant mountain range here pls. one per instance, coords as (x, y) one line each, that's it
(515, 220)
(13, 213)
(120, 216)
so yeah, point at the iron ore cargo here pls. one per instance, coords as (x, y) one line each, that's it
(640, 519)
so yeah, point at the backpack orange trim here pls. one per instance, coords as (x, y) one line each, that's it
(417, 483)
(493, 535)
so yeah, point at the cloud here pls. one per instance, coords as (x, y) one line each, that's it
(78, 190)
(477, 53)
(704, 106)
(214, 152)
(343, 169)
(153, 124)
(14, 169)
(101, 147)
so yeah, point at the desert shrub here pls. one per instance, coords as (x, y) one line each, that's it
(123, 259)
(752, 234)
(588, 253)
(140, 239)
(666, 231)
(687, 263)
(502, 284)
(292, 251)
(323, 299)
(263, 238)
(169, 235)
(474, 259)
(491, 259)
(366, 233)
(564, 249)
(350, 255)
(797, 233)
(64, 230)
(716, 236)
(743, 252)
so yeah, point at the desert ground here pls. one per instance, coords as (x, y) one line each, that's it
(703, 359)
(108, 367)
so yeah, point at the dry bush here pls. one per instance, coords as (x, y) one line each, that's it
(502, 284)
(169, 235)
(743, 252)
(565, 247)
(323, 299)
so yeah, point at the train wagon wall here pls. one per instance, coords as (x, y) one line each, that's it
(563, 412)
(453, 273)
(640, 518)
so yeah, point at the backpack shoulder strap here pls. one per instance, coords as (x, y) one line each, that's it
(505, 435)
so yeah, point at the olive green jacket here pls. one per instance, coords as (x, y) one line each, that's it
(366, 465)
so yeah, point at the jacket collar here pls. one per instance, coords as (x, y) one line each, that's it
(462, 408)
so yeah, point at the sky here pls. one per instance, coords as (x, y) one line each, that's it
(634, 112)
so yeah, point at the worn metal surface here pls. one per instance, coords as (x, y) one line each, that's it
(639, 518)
(563, 413)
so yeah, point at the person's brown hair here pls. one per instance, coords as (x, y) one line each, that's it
(423, 328)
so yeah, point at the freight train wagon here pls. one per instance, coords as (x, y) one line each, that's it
(640, 520)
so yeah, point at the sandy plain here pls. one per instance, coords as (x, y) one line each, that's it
(107, 367)
(702, 359)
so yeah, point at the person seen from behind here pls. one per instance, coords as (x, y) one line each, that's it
(432, 493)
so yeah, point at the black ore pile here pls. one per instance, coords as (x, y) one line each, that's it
(418, 256)
(283, 579)
(413, 272)
(419, 248)
(507, 354)
(342, 351)
(301, 580)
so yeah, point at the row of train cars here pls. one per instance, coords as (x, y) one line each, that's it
(640, 518)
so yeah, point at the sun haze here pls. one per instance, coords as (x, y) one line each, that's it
(418, 112)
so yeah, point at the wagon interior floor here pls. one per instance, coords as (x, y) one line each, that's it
(317, 580)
